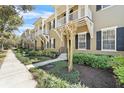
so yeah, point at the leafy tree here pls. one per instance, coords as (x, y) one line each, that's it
(10, 20)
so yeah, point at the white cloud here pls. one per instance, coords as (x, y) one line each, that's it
(23, 28)
(32, 15)
(26, 26)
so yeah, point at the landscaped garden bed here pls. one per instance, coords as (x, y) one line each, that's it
(46, 80)
(31, 56)
(91, 70)
(91, 77)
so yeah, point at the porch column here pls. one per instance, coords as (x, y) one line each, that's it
(55, 19)
(79, 11)
(86, 10)
(67, 13)
(42, 26)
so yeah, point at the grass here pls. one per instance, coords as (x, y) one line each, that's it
(59, 69)
(26, 59)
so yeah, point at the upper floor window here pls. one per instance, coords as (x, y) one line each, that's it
(101, 7)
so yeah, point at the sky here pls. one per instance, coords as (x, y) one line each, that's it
(30, 17)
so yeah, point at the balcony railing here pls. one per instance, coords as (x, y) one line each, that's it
(61, 21)
(73, 15)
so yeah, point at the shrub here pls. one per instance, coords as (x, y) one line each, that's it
(96, 61)
(23, 59)
(47, 52)
(46, 80)
(2, 55)
(118, 67)
(119, 71)
(117, 61)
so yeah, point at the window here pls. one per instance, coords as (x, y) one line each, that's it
(101, 7)
(104, 6)
(108, 39)
(52, 43)
(82, 41)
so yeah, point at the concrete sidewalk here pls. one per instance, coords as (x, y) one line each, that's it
(14, 74)
(63, 56)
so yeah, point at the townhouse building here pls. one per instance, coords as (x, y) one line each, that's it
(98, 28)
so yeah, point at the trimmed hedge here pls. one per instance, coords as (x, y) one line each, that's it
(96, 61)
(45, 80)
(47, 52)
(2, 55)
(23, 59)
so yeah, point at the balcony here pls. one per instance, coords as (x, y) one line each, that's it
(61, 21)
(73, 15)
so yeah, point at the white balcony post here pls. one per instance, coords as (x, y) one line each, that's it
(42, 26)
(79, 11)
(86, 10)
(67, 13)
(55, 19)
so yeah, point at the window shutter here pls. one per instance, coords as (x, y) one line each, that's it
(50, 43)
(98, 40)
(98, 7)
(120, 39)
(54, 43)
(47, 44)
(76, 41)
(88, 40)
(35, 44)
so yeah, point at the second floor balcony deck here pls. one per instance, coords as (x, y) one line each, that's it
(75, 15)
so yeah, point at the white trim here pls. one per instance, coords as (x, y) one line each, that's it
(85, 40)
(105, 29)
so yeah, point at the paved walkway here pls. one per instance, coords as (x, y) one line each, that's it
(14, 74)
(63, 56)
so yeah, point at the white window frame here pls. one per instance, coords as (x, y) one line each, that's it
(105, 29)
(85, 40)
(104, 8)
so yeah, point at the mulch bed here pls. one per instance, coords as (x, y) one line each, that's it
(96, 78)
(92, 77)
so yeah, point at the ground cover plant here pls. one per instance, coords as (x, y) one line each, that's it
(46, 80)
(59, 69)
(118, 69)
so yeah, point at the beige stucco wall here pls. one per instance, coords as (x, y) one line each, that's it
(38, 44)
(58, 42)
(109, 17)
